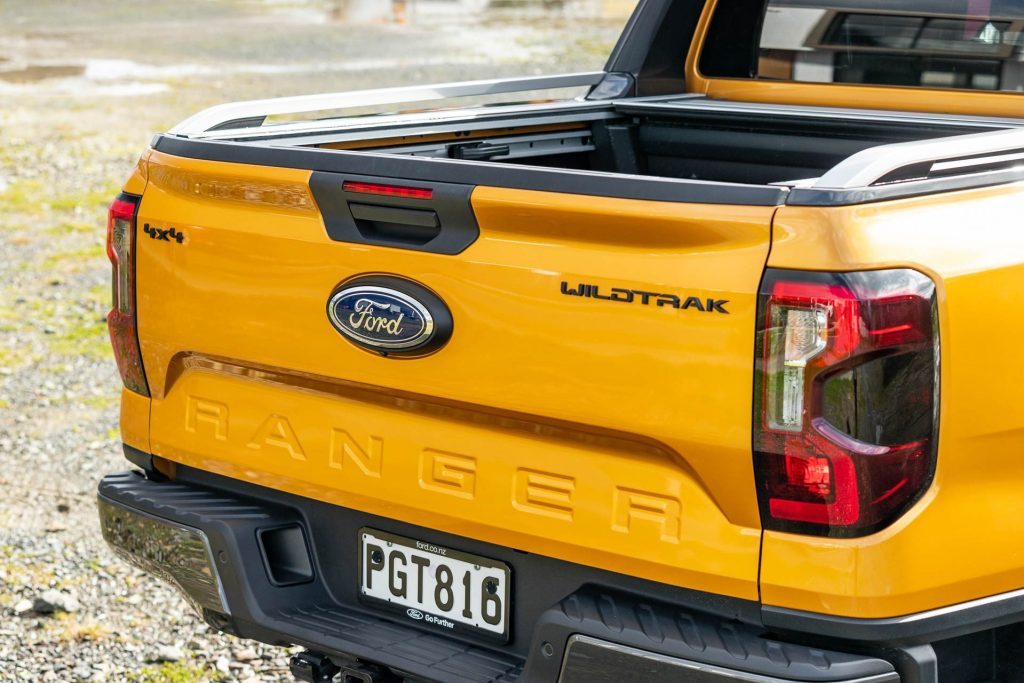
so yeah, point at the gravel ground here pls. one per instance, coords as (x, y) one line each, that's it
(83, 86)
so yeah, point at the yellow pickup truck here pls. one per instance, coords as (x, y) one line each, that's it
(699, 368)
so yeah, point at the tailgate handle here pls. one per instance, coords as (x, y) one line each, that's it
(429, 216)
(395, 225)
(390, 214)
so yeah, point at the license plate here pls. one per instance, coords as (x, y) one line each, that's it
(434, 585)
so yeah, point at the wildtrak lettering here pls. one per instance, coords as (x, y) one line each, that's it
(628, 296)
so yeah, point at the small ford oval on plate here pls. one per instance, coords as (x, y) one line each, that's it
(390, 315)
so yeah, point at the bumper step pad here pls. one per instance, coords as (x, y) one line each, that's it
(438, 655)
(616, 628)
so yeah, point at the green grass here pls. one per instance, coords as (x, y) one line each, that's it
(74, 631)
(14, 358)
(33, 197)
(21, 570)
(84, 333)
(101, 402)
(178, 672)
(84, 337)
(76, 227)
(93, 199)
(25, 197)
(74, 258)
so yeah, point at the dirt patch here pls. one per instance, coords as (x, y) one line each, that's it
(41, 72)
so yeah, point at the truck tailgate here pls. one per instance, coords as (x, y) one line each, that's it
(593, 403)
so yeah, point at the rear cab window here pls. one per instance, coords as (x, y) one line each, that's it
(974, 45)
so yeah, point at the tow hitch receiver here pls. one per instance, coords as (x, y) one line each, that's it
(312, 668)
(363, 673)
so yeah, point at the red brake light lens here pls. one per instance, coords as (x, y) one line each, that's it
(845, 419)
(121, 321)
(401, 191)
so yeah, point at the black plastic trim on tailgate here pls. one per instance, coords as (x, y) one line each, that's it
(443, 224)
(514, 176)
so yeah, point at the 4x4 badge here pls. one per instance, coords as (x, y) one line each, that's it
(166, 235)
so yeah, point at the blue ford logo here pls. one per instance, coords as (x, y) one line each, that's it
(390, 315)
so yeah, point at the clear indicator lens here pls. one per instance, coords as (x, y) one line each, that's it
(799, 335)
(806, 333)
(120, 243)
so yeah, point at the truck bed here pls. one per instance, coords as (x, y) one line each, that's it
(626, 147)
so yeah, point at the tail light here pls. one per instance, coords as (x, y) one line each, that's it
(845, 424)
(121, 320)
(402, 191)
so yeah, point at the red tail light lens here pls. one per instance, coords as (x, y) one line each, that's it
(121, 321)
(845, 419)
(402, 191)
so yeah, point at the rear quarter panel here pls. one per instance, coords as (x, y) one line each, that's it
(965, 538)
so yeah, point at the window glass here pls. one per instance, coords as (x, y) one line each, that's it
(967, 44)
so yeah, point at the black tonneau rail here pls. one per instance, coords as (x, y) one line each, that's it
(566, 181)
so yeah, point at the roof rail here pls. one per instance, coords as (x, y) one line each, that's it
(253, 113)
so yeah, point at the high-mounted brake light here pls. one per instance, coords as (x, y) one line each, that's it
(402, 191)
(845, 419)
(121, 321)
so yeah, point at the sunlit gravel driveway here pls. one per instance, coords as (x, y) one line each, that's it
(83, 87)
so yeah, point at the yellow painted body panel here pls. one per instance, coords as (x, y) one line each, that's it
(964, 539)
(136, 183)
(610, 434)
(606, 503)
(135, 420)
(931, 100)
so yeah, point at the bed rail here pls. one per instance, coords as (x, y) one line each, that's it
(909, 169)
(239, 116)
(924, 159)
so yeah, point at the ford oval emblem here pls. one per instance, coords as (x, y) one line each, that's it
(391, 316)
(414, 614)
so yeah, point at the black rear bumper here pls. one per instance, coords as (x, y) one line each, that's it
(570, 622)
